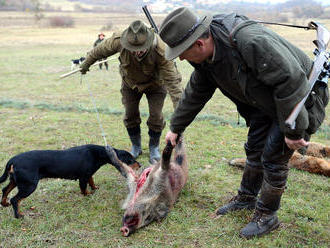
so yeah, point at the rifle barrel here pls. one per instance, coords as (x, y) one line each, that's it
(150, 19)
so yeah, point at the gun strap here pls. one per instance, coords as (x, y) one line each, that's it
(287, 25)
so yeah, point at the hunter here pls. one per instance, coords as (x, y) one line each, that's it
(100, 38)
(265, 76)
(144, 70)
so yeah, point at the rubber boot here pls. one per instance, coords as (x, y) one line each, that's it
(248, 191)
(265, 219)
(135, 137)
(154, 146)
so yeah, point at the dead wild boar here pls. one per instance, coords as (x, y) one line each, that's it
(153, 193)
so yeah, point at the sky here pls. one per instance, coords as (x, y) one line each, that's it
(263, 1)
(281, 1)
(276, 1)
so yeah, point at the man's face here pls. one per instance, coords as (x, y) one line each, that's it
(196, 53)
(101, 37)
(139, 54)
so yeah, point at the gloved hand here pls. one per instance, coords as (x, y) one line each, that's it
(84, 68)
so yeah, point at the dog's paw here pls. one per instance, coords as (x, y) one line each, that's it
(5, 204)
(95, 187)
(86, 192)
(19, 215)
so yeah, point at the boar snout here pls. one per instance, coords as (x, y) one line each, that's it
(125, 231)
(130, 224)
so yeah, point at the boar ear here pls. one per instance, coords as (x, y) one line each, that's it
(162, 211)
(166, 156)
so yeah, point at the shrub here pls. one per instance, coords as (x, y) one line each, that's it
(61, 21)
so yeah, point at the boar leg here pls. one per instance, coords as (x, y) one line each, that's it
(124, 169)
(166, 156)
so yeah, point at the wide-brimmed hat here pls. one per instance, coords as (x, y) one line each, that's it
(137, 37)
(180, 29)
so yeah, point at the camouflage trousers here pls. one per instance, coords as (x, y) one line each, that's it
(131, 99)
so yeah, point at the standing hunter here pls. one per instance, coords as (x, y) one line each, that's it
(144, 70)
(100, 38)
(265, 76)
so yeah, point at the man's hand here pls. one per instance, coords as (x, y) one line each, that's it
(84, 69)
(171, 137)
(295, 144)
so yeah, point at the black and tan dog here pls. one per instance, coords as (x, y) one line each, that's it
(81, 162)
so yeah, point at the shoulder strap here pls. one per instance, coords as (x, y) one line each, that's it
(226, 25)
(238, 27)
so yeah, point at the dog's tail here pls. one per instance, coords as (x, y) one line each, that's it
(6, 172)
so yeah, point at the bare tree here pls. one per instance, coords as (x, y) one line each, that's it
(37, 10)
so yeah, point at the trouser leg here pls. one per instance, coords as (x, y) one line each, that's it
(131, 100)
(275, 160)
(156, 96)
(253, 171)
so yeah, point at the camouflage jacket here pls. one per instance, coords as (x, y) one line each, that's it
(262, 71)
(152, 69)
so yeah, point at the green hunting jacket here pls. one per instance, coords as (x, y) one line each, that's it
(262, 71)
(97, 42)
(140, 74)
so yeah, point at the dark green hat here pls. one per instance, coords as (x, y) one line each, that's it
(137, 37)
(180, 29)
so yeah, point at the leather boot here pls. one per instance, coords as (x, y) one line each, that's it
(265, 219)
(154, 146)
(248, 191)
(135, 137)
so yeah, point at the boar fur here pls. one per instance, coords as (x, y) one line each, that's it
(153, 192)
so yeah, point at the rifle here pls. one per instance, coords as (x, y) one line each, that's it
(320, 70)
(79, 69)
(150, 19)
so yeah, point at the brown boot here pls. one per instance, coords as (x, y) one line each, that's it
(261, 223)
(238, 202)
(247, 193)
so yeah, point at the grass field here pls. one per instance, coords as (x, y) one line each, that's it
(38, 111)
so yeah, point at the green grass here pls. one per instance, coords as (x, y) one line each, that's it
(38, 111)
